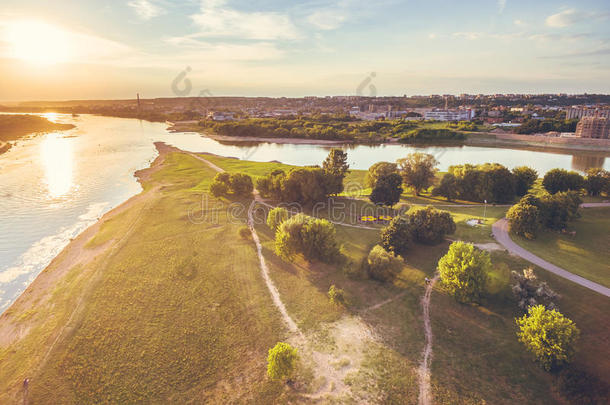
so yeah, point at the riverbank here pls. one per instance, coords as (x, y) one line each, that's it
(15, 127)
(537, 141)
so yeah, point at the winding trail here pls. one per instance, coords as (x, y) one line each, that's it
(425, 394)
(500, 232)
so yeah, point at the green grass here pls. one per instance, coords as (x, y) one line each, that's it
(586, 254)
(179, 313)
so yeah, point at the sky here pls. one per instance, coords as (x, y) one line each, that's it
(105, 49)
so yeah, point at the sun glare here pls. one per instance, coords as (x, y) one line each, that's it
(38, 42)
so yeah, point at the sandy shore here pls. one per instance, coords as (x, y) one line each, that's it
(75, 253)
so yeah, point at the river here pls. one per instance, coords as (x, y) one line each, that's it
(53, 186)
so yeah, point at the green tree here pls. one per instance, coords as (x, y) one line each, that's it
(597, 181)
(241, 184)
(387, 190)
(336, 295)
(525, 177)
(429, 225)
(379, 169)
(464, 271)
(548, 335)
(447, 188)
(383, 265)
(557, 180)
(396, 236)
(524, 220)
(335, 167)
(418, 170)
(314, 238)
(276, 216)
(282, 361)
(218, 189)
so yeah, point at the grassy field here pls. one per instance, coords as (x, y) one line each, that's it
(586, 254)
(174, 310)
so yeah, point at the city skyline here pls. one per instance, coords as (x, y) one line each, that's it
(233, 48)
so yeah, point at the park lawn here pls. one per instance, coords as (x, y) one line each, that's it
(176, 313)
(586, 254)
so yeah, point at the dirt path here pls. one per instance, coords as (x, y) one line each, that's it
(425, 394)
(500, 232)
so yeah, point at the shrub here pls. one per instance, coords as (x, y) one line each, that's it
(244, 232)
(548, 335)
(336, 295)
(429, 225)
(387, 190)
(525, 177)
(396, 237)
(383, 265)
(524, 220)
(530, 291)
(314, 238)
(241, 184)
(464, 271)
(281, 362)
(276, 216)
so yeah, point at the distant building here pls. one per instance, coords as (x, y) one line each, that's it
(220, 116)
(450, 115)
(573, 113)
(593, 127)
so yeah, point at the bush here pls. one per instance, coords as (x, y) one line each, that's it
(281, 362)
(276, 216)
(525, 177)
(383, 265)
(378, 170)
(336, 296)
(396, 237)
(244, 232)
(464, 271)
(530, 291)
(524, 220)
(237, 184)
(314, 238)
(548, 335)
(430, 135)
(387, 190)
(429, 225)
(557, 180)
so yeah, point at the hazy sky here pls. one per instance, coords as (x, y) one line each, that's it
(70, 49)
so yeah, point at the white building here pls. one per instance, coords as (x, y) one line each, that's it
(220, 116)
(449, 115)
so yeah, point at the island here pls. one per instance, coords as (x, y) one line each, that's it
(17, 126)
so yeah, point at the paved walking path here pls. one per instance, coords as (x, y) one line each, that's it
(500, 232)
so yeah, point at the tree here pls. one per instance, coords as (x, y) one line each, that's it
(418, 170)
(429, 225)
(557, 180)
(525, 177)
(387, 190)
(548, 335)
(379, 169)
(276, 216)
(218, 189)
(383, 265)
(597, 181)
(281, 362)
(396, 237)
(335, 167)
(447, 188)
(241, 184)
(524, 220)
(530, 291)
(556, 210)
(464, 271)
(314, 238)
(336, 296)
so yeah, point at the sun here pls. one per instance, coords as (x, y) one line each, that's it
(38, 42)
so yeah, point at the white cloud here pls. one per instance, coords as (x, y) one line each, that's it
(572, 16)
(216, 20)
(518, 22)
(197, 50)
(145, 9)
(501, 5)
(467, 35)
(326, 19)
